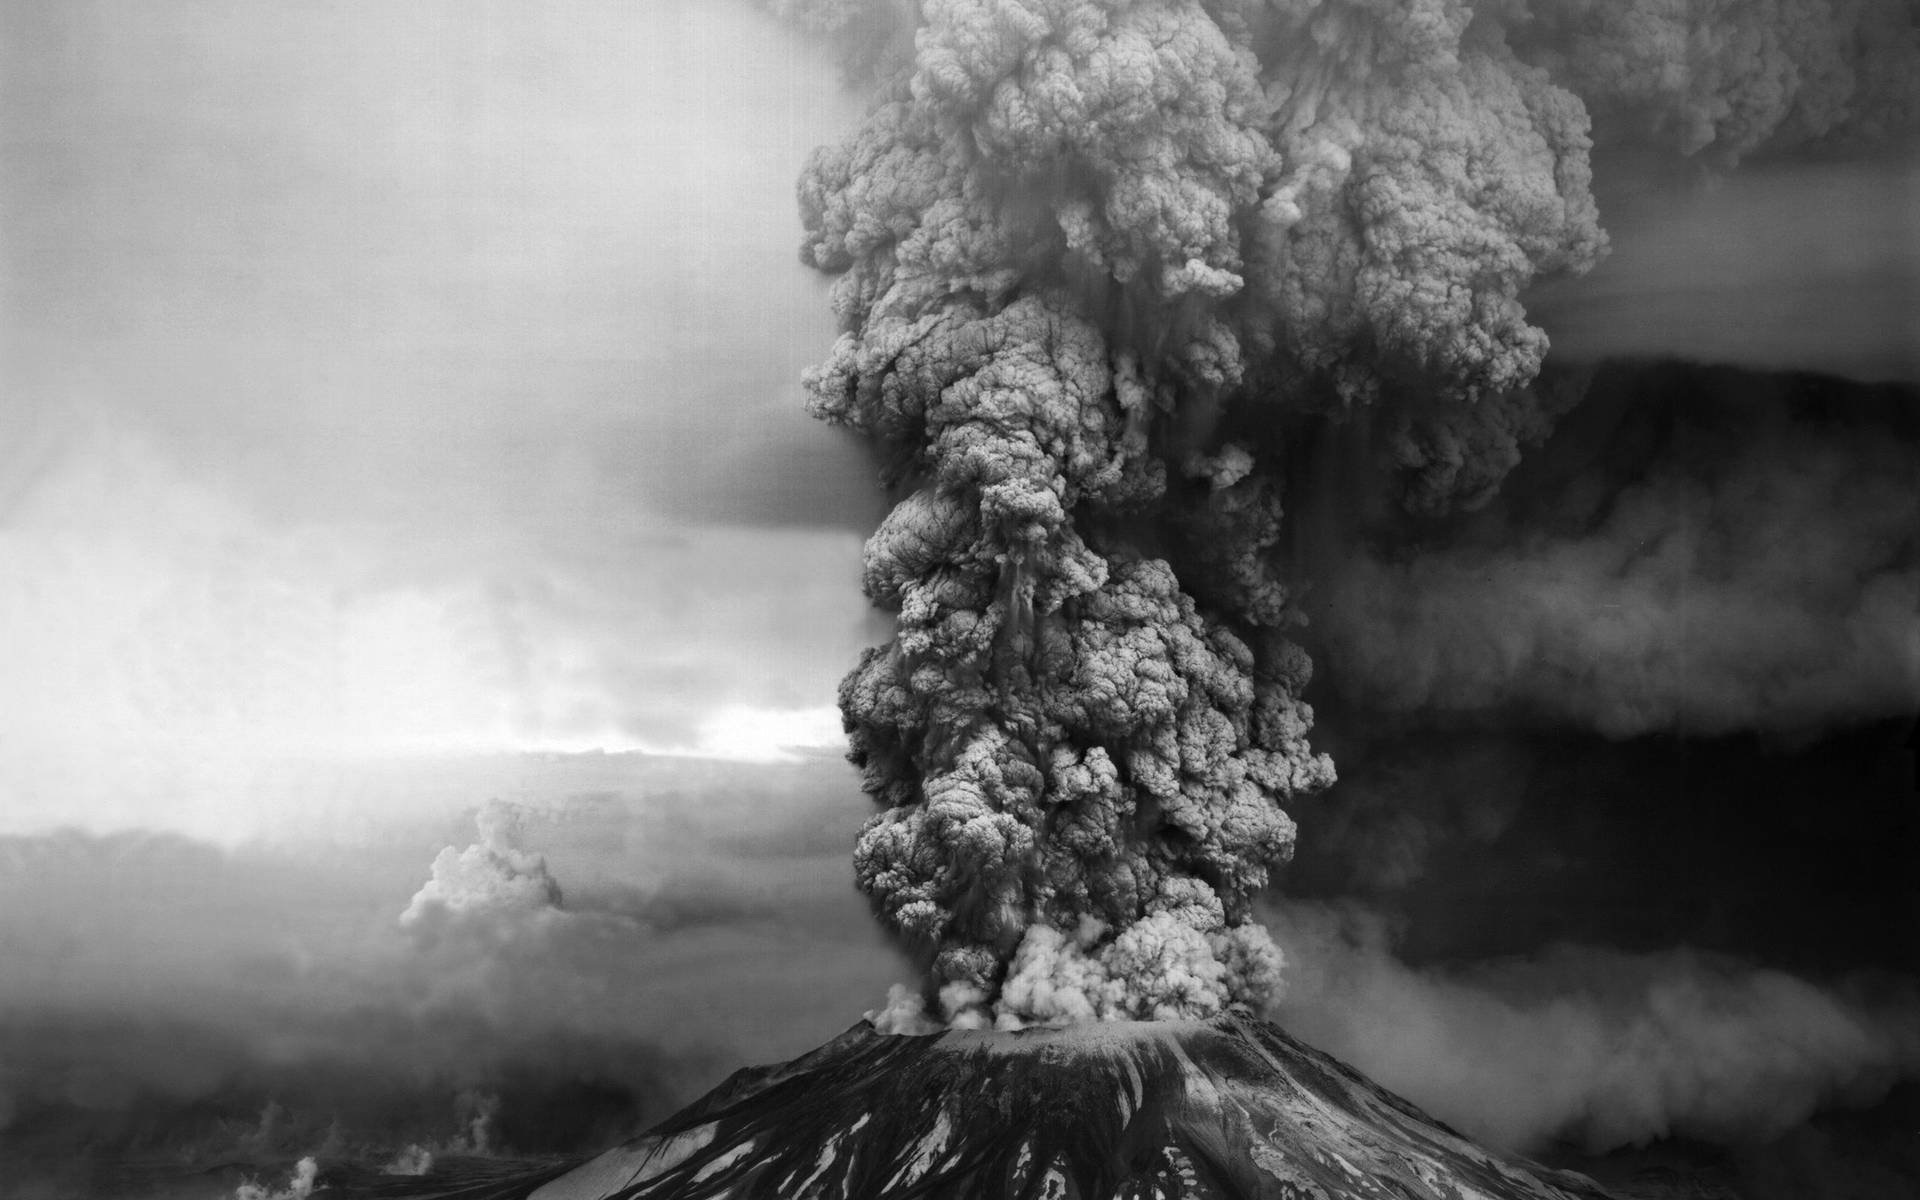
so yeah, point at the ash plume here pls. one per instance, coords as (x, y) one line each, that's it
(1107, 274)
(1095, 262)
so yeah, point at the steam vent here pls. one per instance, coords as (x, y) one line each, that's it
(1225, 1109)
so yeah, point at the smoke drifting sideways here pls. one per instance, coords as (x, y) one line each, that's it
(1699, 552)
(1596, 1046)
(1104, 271)
(1558, 939)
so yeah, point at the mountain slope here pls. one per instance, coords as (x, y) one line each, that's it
(1231, 1108)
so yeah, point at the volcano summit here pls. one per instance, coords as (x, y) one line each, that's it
(1224, 1109)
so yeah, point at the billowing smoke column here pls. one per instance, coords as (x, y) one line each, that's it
(1096, 262)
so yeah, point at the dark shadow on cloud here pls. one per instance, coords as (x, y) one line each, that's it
(1695, 550)
(1561, 938)
(1488, 843)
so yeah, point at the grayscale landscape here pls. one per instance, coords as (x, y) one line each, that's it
(960, 598)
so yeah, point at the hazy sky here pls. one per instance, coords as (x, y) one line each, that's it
(386, 378)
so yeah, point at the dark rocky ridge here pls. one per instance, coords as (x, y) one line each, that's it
(1226, 1109)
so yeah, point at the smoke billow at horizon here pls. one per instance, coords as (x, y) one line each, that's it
(561, 966)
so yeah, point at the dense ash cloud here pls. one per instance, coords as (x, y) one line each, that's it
(1731, 554)
(1064, 239)
(1081, 766)
(1430, 174)
(1098, 267)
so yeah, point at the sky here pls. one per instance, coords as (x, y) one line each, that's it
(398, 379)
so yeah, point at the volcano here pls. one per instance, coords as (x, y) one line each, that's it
(1224, 1109)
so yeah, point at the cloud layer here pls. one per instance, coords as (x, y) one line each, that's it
(615, 938)
(1731, 555)
(1598, 1046)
